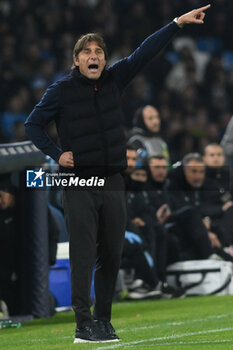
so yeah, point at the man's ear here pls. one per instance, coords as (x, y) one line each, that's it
(76, 61)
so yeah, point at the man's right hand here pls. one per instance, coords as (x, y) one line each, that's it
(66, 160)
(138, 222)
(163, 213)
(214, 240)
(227, 205)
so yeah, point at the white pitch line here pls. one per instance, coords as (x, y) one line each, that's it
(180, 323)
(134, 329)
(192, 342)
(136, 342)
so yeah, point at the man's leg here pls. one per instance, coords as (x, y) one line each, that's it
(81, 213)
(110, 245)
(193, 232)
(225, 223)
(134, 257)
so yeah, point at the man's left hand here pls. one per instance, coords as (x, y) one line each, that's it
(195, 16)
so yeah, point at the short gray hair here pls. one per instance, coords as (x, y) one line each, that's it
(192, 156)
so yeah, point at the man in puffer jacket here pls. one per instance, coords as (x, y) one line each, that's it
(86, 106)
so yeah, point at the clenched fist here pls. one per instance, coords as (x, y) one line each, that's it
(66, 160)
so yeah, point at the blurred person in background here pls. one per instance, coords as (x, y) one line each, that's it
(135, 253)
(10, 246)
(180, 219)
(217, 203)
(131, 155)
(227, 144)
(145, 134)
(14, 114)
(86, 105)
(187, 190)
(149, 223)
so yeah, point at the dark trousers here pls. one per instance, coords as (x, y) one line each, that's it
(96, 226)
(10, 293)
(225, 225)
(191, 232)
(158, 249)
(134, 257)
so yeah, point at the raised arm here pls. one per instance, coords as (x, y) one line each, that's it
(126, 69)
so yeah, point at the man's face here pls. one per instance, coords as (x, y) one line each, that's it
(214, 156)
(139, 175)
(151, 119)
(91, 60)
(195, 173)
(131, 160)
(7, 200)
(158, 169)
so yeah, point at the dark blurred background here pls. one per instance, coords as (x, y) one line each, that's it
(190, 82)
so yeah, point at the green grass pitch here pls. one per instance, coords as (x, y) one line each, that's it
(191, 323)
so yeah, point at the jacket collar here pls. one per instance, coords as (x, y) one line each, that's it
(76, 74)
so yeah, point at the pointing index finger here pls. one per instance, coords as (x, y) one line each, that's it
(204, 8)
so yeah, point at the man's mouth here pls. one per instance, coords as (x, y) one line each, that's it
(93, 68)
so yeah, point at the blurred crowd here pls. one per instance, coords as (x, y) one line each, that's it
(179, 104)
(190, 82)
(180, 214)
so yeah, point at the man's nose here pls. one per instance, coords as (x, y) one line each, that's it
(93, 56)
